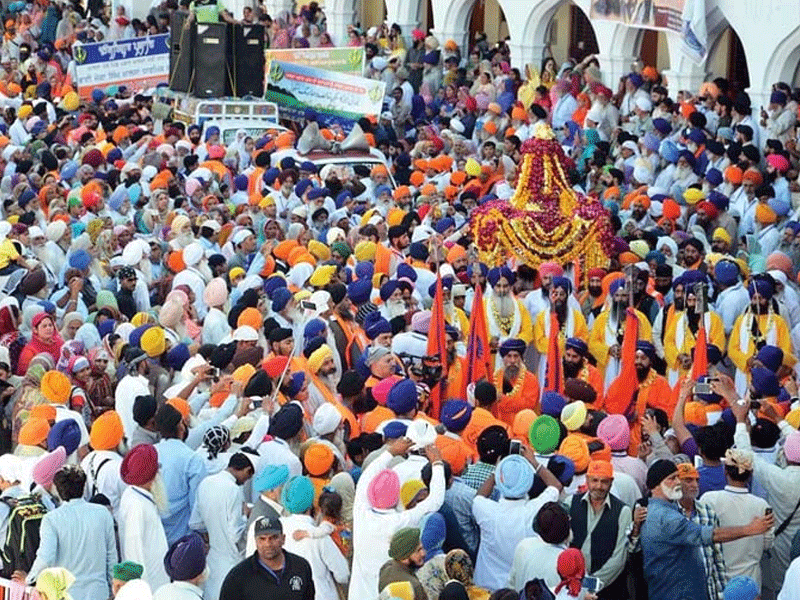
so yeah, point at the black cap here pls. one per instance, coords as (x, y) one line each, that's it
(267, 526)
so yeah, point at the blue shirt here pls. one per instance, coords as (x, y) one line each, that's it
(671, 546)
(711, 479)
(182, 470)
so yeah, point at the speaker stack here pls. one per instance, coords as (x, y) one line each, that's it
(215, 60)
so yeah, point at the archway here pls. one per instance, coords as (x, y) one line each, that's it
(727, 58)
(565, 31)
(461, 20)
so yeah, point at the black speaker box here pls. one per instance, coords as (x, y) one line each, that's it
(247, 60)
(211, 69)
(181, 56)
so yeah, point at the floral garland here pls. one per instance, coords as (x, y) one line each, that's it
(546, 220)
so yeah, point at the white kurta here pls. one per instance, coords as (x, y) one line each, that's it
(127, 390)
(373, 528)
(215, 327)
(178, 590)
(102, 476)
(218, 510)
(141, 535)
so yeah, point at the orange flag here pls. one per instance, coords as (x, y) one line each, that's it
(700, 365)
(621, 391)
(555, 372)
(479, 358)
(437, 346)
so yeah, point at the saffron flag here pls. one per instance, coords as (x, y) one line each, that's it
(700, 365)
(555, 372)
(479, 358)
(621, 391)
(437, 346)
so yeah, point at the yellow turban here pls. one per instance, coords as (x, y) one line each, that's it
(56, 387)
(793, 418)
(400, 589)
(71, 101)
(573, 415)
(106, 431)
(410, 489)
(236, 272)
(721, 234)
(395, 216)
(244, 373)
(178, 223)
(319, 250)
(53, 583)
(34, 432)
(322, 275)
(142, 318)
(693, 196)
(472, 167)
(365, 250)
(318, 357)
(24, 111)
(153, 342)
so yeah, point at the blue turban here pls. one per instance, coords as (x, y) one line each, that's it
(647, 348)
(177, 356)
(271, 477)
(273, 283)
(669, 151)
(726, 272)
(106, 327)
(741, 587)
(655, 255)
(297, 496)
(315, 193)
(186, 558)
(718, 199)
(564, 465)
(444, 224)
(403, 397)
(301, 187)
(359, 291)
(551, 403)
(213, 130)
(80, 259)
(561, 282)
(375, 326)
(135, 338)
(388, 288)
(514, 476)
(433, 534)
(771, 357)
(295, 384)
(406, 271)
(481, 267)
(512, 345)
(394, 430)
(280, 298)
(495, 274)
(365, 270)
(455, 415)
(764, 288)
(270, 175)
(578, 345)
(418, 251)
(64, 433)
(662, 126)
(765, 382)
(342, 197)
(636, 79)
(616, 285)
(314, 328)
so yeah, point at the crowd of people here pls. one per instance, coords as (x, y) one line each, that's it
(231, 377)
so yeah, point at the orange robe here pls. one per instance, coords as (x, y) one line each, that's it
(524, 395)
(480, 420)
(456, 452)
(456, 385)
(591, 375)
(654, 392)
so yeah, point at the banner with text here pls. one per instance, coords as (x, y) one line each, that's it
(337, 97)
(138, 63)
(342, 60)
(654, 14)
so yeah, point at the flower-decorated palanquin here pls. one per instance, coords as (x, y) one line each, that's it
(546, 220)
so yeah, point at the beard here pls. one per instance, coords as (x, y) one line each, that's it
(618, 310)
(760, 309)
(560, 309)
(511, 373)
(663, 289)
(184, 239)
(146, 268)
(571, 369)
(505, 305)
(680, 304)
(595, 291)
(396, 308)
(159, 492)
(672, 494)
(682, 173)
(642, 373)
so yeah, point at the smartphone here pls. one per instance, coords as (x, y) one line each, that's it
(214, 372)
(702, 388)
(591, 584)
(256, 403)
(305, 304)
(698, 461)
(514, 446)
(768, 511)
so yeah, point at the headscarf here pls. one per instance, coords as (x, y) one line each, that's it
(68, 350)
(53, 583)
(215, 439)
(571, 567)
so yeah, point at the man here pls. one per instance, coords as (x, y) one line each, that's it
(268, 485)
(571, 324)
(65, 532)
(185, 563)
(506, 316)
(733, 298)
(577, 366)
(141, 534)
(536, 557)
(375, 517)
(591, 301)
(271, 572)
(736, 506)
(757, 326)
(219, 511)
(132, 385)
(123, 573)
(193, 277)
(101, 465)
(406, 555)
(605, 339)
(517, 387)
(328, 564)
(598, 518)
(701, 514)
(506, 522)
(144, 412)
(350, 338)
(182, 468)
(673, 567)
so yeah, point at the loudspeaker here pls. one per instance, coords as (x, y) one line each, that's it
(210, 61)
(181, 55)
(248, 60)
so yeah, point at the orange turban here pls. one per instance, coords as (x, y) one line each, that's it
(612, 192)
(34, 432)
(252, 317)
(416, 178)
(753, 177)
(575, 448)
(458, 178)
(671, 209)
(55, 386)
(318, 459)
(643, 200)
(181, 405)
(282, 250)
(734, 174)
(456, 252)
(428, 189)
(765, 215)
(628, 258)
(106, 431)
(43, 411)
(600, 468)
(401, 190)
(687, 471)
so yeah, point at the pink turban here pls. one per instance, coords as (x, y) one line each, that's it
(778, 162)
(380, 391)
(615, 432)
(216, 292)
(384, 491)
(192, 185)
(551, 268)
(49, 465)
(421, 321)
(779, 261)
(792, 447)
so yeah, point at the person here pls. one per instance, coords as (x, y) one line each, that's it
(185, 563)
(271, 571)
(64, 533)
(141, 533)
(45, 340)
(598, 515)
(123, 573)
(406, 555)
(673, 567)
(219, 512)
(536, 557)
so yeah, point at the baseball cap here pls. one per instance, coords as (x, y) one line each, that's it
(267, 526)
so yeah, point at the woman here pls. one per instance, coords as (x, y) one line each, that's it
(99, 387)
(549, 73)
(80, 372)
(45, 340)
(53, 583)
(458, 566)
(10, 337)
(29, 393)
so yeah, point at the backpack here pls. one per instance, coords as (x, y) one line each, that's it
(22, 537)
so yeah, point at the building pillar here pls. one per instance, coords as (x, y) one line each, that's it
(523, 53)
(406, 14)
(275, 7)
(340, 14)
(613, 68)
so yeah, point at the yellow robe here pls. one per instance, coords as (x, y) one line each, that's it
(715, 335)
(782, 337)
(541, 339)
(597, 337)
